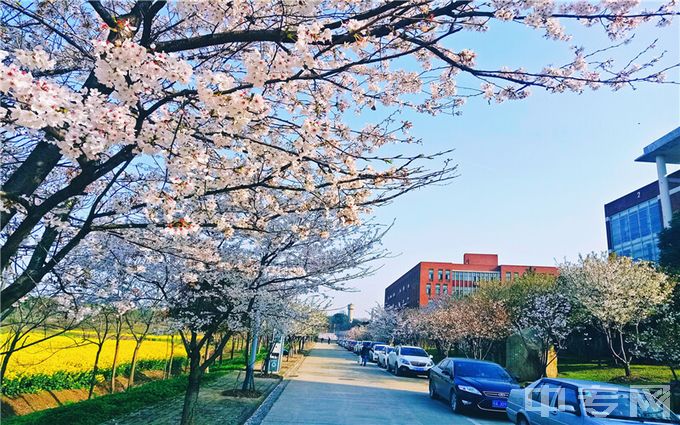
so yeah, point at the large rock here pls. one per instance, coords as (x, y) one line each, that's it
(524, 362)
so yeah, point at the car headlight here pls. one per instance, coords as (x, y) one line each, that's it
(469, 389)
(404, 361)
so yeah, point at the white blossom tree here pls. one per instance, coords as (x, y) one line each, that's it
(250, 276)
(618, 293)
(539, 312)
(547, 317)
(384, 323)
(130, 114)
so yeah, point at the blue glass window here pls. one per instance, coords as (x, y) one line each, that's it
(625, 231)
(633, 225)
(655, 216)
(615, 229)
(643, 216)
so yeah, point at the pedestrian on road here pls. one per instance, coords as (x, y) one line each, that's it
(364, 354)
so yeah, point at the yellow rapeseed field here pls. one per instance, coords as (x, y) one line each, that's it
(72, 354)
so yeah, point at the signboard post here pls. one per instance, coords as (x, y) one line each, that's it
(276, 356)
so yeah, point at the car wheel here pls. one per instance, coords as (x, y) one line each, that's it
(521, 420)
(433, 391)
(453, 402)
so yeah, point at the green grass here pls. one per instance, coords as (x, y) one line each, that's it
(100, 409)
(641, 374)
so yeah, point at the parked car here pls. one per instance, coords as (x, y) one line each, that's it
(382, 356)
(409, 359)
(360, 345)
(551, 401)
(471, 384)
(377, 348)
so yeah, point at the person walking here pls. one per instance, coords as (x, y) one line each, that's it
(365, 350)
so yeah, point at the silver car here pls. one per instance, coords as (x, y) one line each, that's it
(551, 401)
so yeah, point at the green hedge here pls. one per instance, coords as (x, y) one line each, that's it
(26, 384)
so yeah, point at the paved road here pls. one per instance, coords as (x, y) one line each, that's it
(331, 388)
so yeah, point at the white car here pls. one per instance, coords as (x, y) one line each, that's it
(376, 350)
(382, 356)
(409, 359)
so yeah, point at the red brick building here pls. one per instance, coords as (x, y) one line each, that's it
(428, 280)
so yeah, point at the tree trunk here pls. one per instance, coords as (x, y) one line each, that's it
(207, 354)
(191, 394)
(133, 364)
(5, 358)
(233, 342)
(115, 357)
(249, 381)
(95, 369)
(626, 367)
(168, 373)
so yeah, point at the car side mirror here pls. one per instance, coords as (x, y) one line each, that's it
(446, 372)
(431, 357)
(567, 408)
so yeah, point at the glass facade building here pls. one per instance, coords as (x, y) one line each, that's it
(635, 220)
(634, 231)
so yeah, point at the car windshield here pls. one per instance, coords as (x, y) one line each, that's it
(481, 370)
(416, 352)
(389, 349)
(379, 348)
(625, 404)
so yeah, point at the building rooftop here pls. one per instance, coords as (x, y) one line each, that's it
(667, 146)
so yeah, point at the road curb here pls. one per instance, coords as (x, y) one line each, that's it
(261, 412)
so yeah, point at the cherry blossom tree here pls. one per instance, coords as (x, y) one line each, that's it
(358, 333)
(249, 277)
(130, 115)
(384, 323)
(539, 312)
(485, 321)
(35, 320)
(619, 294)
(443, 323)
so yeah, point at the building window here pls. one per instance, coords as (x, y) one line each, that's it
(448, 275)
(508, 276)
(428, 289)
(440, 274)
(437, 289)
(430, 274)
(516, 275)
(445, 289)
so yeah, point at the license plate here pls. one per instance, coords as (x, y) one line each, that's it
(499, 404)
(419, 369)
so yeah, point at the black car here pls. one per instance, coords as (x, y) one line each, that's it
(471, 384)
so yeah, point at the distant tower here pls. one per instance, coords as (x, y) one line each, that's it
(350, 312)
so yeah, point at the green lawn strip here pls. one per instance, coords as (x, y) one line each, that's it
(641, 374)
(238, 362)
(107, 407)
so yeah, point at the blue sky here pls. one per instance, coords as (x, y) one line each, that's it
(534, 174)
